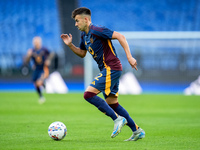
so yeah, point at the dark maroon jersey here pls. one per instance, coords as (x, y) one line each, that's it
(98, 43)
(39, 57)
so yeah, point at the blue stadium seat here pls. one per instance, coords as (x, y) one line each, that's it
(21, 20)
(24, 19)
(137, 15)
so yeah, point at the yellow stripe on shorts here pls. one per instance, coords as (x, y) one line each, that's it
(108, 80)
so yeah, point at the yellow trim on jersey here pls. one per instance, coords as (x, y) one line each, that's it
(104, 62)
(108, 80)
(110, 45)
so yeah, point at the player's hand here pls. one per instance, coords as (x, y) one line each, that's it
(133, 63)
(67, 39)
(29, 53)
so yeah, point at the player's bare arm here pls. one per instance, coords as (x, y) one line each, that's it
(49, 58)
(67, 39)
(122, 40)
(28, 56)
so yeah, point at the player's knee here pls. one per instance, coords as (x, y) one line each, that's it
(38, 83)
(88, 95)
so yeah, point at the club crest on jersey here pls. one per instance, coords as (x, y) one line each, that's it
(91, 40)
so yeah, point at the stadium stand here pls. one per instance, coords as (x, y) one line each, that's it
(23, 19)
(145, 15)
(20, 21)
(167, 60)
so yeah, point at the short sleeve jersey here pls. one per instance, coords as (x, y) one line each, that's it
(98, 43)
(39, 57)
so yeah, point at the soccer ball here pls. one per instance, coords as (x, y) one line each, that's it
(57, 130)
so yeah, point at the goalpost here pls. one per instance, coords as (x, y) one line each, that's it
(161, 35)
(88, 70)
(155, 43)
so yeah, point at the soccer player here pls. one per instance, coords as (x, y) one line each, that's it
(97, 41)
(41, 59)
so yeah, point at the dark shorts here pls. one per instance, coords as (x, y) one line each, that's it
(40, 74)
(37, 74)
(107, 81)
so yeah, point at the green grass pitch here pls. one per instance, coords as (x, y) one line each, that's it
(171, 122)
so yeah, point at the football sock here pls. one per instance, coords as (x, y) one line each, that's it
(39, 91)
(93, 99)
(122, 112)
(44, 85)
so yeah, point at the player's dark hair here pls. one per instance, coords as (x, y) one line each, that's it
(81, 10)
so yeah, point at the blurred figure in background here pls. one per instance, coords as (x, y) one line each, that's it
(41, 58)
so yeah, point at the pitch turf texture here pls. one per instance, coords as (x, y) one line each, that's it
(170, 122)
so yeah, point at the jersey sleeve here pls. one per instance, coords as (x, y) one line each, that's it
(46, 51)
(103, 32)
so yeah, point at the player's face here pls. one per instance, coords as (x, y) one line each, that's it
(81, 22)
(37, 42)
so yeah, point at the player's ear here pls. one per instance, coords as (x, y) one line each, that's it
(85, 19)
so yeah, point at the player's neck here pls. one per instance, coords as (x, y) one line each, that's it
(88, 27)
(38, 47)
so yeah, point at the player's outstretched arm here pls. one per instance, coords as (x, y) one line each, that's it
(49, 59)
(122, 40)
(67, 39)
(28, 56)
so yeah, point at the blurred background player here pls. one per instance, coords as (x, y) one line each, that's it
(41, 58)
(97, 41)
